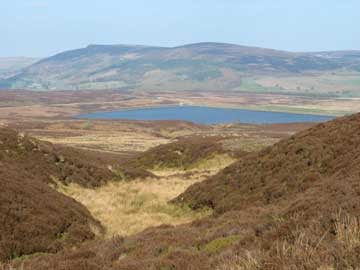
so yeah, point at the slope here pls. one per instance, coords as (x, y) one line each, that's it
(210, 66)
(281, 171)
(10, 66)
(294, 205)
(34, 217)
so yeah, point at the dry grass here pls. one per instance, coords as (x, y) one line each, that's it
(302, 249)
(110, 141)
(126, 208)
(300, 254)
(303, 252)
(200, 169)
(347, 230)
(213, 164)
(248, 261)
(249, 144)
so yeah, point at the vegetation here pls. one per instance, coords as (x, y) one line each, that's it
(210, 66)
(186, 154)
(11, 65)
(134, 206)
(221, 243)
(293, 205)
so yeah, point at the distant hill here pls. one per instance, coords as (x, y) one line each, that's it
(9, 66)
(202, 66)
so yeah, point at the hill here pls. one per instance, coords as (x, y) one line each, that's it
(203, 66)
(34, 217)
(184, 154)
(10, 66)
(294, 205)
(284, 170)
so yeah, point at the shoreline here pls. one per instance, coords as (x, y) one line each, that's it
(111, 115)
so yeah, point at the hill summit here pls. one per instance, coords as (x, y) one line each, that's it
(210, 66)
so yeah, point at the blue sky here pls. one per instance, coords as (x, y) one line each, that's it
(44, 27)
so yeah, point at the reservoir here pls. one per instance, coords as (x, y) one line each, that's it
(207, 115)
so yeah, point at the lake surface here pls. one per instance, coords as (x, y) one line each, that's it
(206, 115)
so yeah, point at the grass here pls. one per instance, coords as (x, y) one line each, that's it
(215, 162)
(221, 243)
(27, 257)
(347, 229)
(109, 141)
(249, 144)
(250, 85)
(211, 164)
(303, 251)
(236, 262)
(298, 254)
(197, 171)
(126, 208)
(325, 85)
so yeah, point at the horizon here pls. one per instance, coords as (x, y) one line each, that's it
(41, 28)
(176, 46)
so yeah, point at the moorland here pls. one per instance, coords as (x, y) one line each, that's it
(90, 194)
(80, 194)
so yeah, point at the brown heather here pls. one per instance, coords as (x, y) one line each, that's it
(294, 205)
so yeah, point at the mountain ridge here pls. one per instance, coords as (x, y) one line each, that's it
(198, 66)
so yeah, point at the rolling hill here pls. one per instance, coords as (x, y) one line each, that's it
(203, 66)
(10, 66)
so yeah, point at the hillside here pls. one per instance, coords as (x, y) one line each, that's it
(52, 164)
(203, 66)
(184, 154)
(34, 218)
(10, 66)
(294, 205)
(318, 156)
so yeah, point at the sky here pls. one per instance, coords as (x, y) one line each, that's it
(40, 28)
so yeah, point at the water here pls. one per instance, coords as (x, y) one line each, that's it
(206, 115)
